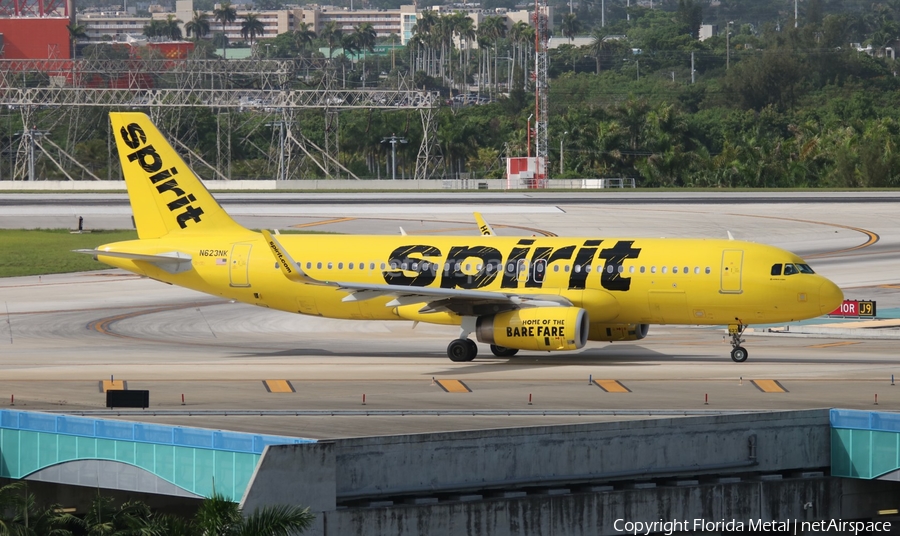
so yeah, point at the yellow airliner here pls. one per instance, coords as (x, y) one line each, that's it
(514, 293)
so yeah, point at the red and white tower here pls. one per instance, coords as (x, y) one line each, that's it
(541, 89)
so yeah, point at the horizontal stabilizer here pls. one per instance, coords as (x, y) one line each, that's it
(173, 262)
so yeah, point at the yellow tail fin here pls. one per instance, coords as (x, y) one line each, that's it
(166, 197)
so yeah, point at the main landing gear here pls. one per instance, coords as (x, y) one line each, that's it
(464, 349)
(738, 353)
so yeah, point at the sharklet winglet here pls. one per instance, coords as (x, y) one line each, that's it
(289, 268)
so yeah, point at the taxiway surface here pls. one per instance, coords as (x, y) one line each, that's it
(65, 334)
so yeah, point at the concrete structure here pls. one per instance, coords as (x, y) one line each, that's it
(571, 479)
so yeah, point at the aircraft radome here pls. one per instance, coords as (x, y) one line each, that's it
(514, 293)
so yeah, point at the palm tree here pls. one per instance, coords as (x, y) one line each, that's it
(76, 32)
(226, 15)
(104, 518)
(20, 514)
(303, 36)
(602, 47)
(156, 28)
(198, 26)
(494, 29)
(172, 30)
(217, 516)
(252, 27)
(331, 33)
(570, 25)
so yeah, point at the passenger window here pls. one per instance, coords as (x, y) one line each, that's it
(382, 266)
(567, 269)
(674, 269)
(340, 266)
(642, 269)
(587, 268)
(478, 267)
(308, 265)
(631, 269)
(350, 266)
(330, 265)
(555, 267)
(664, 268)
(776, 269)
(696, 269)
(708, 270)
(577, 268)
(609, 268)
(653, 269)
(371, 266)
(789, 269)
(686, 270)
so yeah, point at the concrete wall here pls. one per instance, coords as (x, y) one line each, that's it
(218, 185)
(434, 467)
(627, 449)
(595, 514)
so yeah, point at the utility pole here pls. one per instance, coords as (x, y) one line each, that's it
(693, 72)
(561, 154)
(728, 45)
(393, 139)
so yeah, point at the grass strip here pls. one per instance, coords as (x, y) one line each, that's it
(49, 251)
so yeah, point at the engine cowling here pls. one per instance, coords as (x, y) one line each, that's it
(538, 328)
(618, 332)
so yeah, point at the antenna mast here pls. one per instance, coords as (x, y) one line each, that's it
(541, 88)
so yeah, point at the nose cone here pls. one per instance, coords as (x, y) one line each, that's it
(830, 297)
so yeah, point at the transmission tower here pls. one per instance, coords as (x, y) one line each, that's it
(541, 90)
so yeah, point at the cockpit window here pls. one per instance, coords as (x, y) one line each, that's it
(776, 269)
(791, 269)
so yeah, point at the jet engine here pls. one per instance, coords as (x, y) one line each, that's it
(618, 332)
(538, 328)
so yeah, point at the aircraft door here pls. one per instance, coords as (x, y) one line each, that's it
(732, 261)
(538, 269)
(239, 265)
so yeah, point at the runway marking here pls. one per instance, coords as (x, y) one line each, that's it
(612, 386)
(889, 286)
(453, 386)
(834, 344)
(279, 386)
(113, 385)
(323, 222)
(769, 386)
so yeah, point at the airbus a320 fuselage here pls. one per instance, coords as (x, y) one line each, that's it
(514, 293)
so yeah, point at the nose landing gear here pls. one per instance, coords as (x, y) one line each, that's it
(738, 353)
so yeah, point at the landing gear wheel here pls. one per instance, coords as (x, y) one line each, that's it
(738, 353)
(503, 351)
(461, 350)
(473, 349)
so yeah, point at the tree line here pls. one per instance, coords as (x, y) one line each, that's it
(757, 105)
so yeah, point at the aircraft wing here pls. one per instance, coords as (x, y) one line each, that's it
(173, 262)
(457, 301)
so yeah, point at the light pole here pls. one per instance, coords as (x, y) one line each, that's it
(561, 155)
(728, 45)
(394, 140)
(528, 137)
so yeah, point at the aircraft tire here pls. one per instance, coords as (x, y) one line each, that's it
(459, 350)
(473, 349)
(503, 351)
(739, 354)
